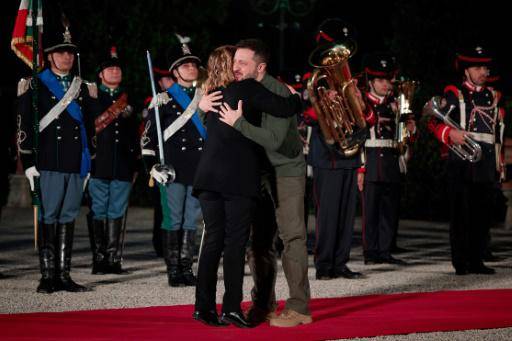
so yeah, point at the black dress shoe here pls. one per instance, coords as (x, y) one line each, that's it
(481, 269)
(345, 272)
(397, 249)
(209, 318)
(372, 260)
(323, 276)
(489, 257)
(237, 319)
(256, 315)
(392, 260)
(461, 271)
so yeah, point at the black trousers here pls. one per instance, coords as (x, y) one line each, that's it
(261, 256)
(227, 224)
(470, 221)
(381, 206)
(336, 196)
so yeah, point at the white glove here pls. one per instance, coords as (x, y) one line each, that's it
(160, 99)
(163, 173)
(31, 173)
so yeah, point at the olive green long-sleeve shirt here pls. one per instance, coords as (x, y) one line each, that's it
(279, 136)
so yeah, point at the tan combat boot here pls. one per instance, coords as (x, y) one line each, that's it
(290, 318)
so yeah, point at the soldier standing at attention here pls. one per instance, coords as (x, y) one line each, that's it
(182, 150)
(63, 161)
(115, 161)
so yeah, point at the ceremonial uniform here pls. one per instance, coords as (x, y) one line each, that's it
(381, 197)
(334, 183)
(182, 150)
(476, 110)
(160, 72)
(116, 158)
(63, 160)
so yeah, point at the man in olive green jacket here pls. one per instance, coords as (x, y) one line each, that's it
(280, 138)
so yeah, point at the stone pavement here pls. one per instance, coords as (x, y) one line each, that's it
(429, 269)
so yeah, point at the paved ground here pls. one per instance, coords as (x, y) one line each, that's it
(429, 270)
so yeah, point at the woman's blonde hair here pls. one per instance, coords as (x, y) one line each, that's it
(220, 68)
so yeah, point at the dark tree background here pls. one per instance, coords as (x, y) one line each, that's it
(424, 36)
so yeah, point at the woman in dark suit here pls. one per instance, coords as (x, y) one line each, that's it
(227, 183)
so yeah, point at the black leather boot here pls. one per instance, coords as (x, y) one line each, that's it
(187, 257)
(114, 227)
(98, 242)
(171, 256)
(64, 238)
(46, 244)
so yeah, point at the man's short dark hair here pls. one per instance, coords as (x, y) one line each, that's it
(260, 49)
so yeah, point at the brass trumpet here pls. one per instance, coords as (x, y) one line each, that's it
(470, 150)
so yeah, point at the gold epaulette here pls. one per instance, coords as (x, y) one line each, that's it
(23, 85)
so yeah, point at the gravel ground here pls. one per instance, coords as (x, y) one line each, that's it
(429, 269)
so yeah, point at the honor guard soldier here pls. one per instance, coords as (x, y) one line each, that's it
(163, 80)
(336, 179)
(115, 162)
(63, 161)
(473, 106)
(381, 194)
(182, 146)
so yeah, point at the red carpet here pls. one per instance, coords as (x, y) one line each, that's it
(334, 318)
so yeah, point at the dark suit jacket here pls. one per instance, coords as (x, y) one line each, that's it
(231, 163)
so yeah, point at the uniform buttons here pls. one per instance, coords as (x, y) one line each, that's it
(58, 127)
(381, 155)
(116, 124)
(178, 113)
(53, 97)
(200, 139)
(59, 137)
(113, 101)
(76, 127)
(486, 95)
(117, 140)
(200, 148)
(76, 137)
(183, 148)
(183, 140)
(80, 98)
(117, 131)
(182, 130)
(174, 106)
(488, 102)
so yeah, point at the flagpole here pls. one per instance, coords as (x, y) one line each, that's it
(36, 202)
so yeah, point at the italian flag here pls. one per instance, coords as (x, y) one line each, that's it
(23, 34)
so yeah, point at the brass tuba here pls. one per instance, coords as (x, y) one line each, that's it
(470, 150)
(335, 98)
(406, 91)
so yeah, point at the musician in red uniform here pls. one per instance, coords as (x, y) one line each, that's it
(473, 105)
(381, 198)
